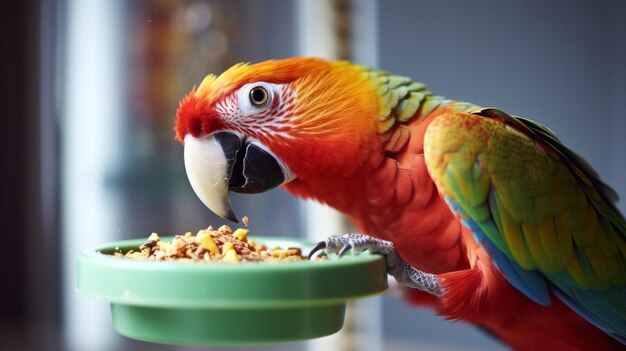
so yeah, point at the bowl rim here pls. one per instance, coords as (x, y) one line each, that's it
(122, 272)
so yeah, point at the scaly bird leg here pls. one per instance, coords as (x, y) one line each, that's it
(396, 267)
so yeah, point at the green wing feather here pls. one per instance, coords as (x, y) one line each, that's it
(538, 203)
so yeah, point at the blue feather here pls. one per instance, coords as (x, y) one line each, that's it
(530, 283)
(597, 307)
(582, 305)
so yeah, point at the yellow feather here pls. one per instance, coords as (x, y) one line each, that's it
(563, 231)
(598, 263)
(533, 239)
(548, 235)
(585, 236)
(576, 271)
(513, 236)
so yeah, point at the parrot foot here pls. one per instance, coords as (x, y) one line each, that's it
(396, 267)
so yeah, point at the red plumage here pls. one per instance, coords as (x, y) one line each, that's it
(431, 238)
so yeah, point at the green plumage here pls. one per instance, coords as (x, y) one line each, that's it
(538, 203)
(401, 98)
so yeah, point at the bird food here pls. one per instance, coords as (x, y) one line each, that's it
(210, 245)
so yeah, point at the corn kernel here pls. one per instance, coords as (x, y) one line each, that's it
(294, 251)
(136, 255)
(241, 234)
(279, 253)
(231, 256)
(154, 237)
(178, 243)
(208, 243)
(227, 247)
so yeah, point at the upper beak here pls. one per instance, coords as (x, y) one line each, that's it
(225, 161)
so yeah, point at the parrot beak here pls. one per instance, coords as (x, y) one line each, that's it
(225, 161)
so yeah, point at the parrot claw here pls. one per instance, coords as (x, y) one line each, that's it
(344, 250)
(320, 246)
(396, 267)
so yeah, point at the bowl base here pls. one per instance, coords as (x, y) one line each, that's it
(226, 326)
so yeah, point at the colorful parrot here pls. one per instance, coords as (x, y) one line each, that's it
(490, 214)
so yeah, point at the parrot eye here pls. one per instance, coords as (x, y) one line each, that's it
(258, 96)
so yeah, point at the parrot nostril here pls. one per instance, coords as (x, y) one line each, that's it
(196, 129)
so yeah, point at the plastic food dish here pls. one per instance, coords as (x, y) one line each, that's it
(202, 303)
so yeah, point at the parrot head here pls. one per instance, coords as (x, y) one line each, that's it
(292, 121)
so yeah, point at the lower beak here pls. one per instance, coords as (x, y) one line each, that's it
(224, 161)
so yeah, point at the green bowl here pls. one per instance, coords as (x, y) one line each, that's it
(228, 304)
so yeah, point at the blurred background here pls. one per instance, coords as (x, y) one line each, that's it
(89, 91)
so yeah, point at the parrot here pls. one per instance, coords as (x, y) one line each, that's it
(483, 216)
